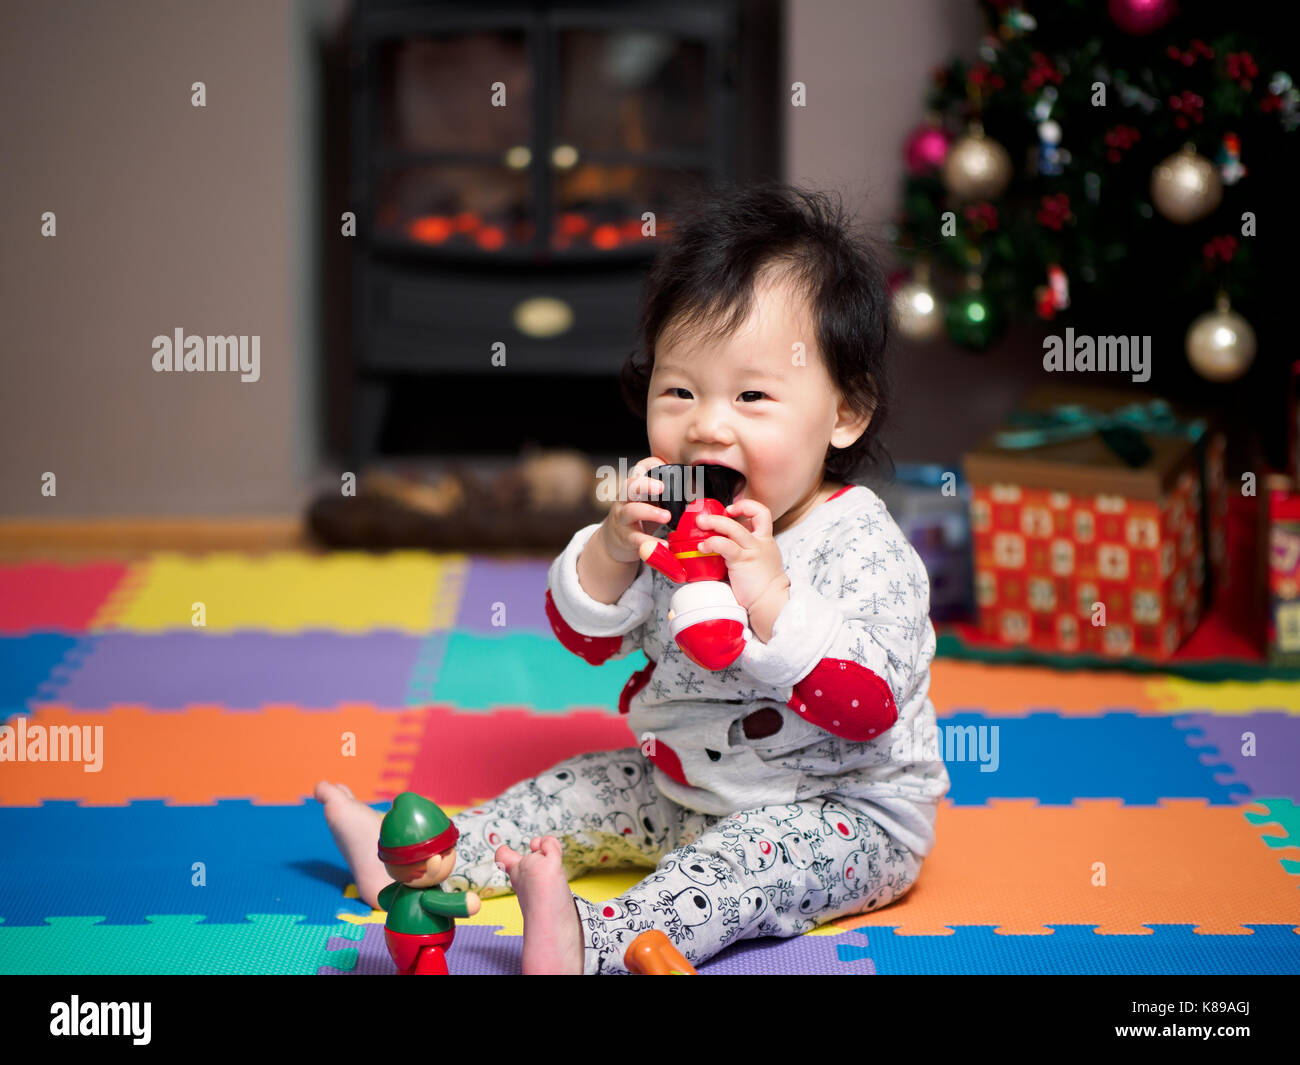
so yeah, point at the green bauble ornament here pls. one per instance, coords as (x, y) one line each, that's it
(972, 319)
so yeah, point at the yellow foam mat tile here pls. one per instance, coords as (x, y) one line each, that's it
(407, 591)
(1177, 694)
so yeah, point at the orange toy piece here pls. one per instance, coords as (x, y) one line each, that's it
(652, 954)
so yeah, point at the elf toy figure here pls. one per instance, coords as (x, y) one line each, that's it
(417, 844)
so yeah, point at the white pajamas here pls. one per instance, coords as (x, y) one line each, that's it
(791, 788)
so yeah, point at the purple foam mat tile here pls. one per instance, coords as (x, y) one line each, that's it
(170, 670)
(1271, 770)
(479, 951)
(476, 951)
(518, 584)
(796, 956)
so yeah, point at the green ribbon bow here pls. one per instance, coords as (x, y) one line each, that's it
(1121, 429)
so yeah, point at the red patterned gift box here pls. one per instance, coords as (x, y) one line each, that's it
(1283, 572)
(1078, 551)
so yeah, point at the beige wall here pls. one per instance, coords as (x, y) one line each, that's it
(204, 218)
(867, 66)
(168, 216)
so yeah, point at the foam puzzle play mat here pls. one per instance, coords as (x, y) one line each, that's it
(157, 816)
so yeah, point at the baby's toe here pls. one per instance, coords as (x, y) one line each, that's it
(507, 858)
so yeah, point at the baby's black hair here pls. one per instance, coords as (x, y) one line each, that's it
(704, 278)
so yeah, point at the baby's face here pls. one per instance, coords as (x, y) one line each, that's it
(754, 401)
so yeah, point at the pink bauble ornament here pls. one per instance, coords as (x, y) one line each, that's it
(925, 150)
(1140, 17)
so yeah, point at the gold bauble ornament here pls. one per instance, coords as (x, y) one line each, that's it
(1186, 186)
(916, 308)
(1221, 343)
(976, 168)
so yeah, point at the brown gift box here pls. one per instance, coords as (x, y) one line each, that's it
(1076, 551)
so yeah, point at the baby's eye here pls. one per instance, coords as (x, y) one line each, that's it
(760, 395)
(672, 392)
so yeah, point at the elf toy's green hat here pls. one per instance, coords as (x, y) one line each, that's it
(414, 829)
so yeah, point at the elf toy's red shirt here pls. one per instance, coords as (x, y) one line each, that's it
(837, 702)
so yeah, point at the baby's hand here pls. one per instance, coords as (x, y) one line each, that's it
(621, 532)
(754, 562)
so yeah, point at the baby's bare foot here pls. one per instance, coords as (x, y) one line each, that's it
(355, 828)
(552, 928)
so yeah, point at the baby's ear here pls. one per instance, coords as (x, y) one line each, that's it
(850, 424)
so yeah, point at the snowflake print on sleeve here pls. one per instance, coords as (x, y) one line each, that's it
(847, 644)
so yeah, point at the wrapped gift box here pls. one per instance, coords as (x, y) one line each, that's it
(1077, 551)
(1283, 572)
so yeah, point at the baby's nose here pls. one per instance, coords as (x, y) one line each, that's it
(711, 426)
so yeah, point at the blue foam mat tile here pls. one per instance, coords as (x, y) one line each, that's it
(1056, 760)
(1171, 950)
(123, 863)
(28, 663)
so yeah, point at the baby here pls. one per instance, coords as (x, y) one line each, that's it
(792, 787)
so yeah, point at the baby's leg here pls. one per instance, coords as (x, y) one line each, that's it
(601, 806)
(554, 933)
(355, 828)
(778, 870)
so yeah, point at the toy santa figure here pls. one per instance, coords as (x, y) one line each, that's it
(417, 844)
(704, 618)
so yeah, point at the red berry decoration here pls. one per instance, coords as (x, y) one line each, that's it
(1219, 248)
(982, 77)
(983, 217)
(1119, 140)
(1190, 108)
(1242, 69)
(1055, 211)
(1041, 73)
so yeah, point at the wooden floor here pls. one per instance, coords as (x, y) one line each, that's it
(133, 537)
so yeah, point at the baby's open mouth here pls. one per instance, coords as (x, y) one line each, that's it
(739, 482)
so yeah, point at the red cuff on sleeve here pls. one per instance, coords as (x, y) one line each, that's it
(845, 699)
(594, 649)
(635, 683)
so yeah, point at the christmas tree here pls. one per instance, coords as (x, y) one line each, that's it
(1125, 169)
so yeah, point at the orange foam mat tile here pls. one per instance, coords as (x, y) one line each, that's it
(957, 685)
(1021, 867)
(201, 754)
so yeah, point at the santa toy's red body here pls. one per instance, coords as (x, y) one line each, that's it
(706, 621)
